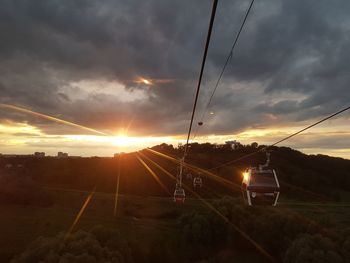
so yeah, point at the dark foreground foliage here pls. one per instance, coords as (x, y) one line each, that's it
(225, 232)
(97, 245)
(286, 237)
(318, 248)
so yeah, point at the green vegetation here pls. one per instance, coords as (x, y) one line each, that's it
(157, 230)
(315, 248)
(97, 245)
(40, 200)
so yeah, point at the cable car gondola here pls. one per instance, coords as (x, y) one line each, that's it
(179, 195)
(260, 186)
(197, 182)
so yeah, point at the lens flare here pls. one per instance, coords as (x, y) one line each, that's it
(116, 197)
(245, 176)
(224, 218)
(81, 211)
(50, 118)
(153, 81)
(155, 176)
(219, 179)
(144, 81)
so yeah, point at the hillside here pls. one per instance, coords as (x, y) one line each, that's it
(302, 176)
(40, 198)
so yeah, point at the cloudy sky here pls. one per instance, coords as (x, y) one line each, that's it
(128, 70)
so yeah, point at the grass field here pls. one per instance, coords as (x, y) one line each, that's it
(139, 219)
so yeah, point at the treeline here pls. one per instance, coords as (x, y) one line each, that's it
(301, 176)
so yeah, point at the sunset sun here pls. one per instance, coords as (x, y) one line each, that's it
(175, 131)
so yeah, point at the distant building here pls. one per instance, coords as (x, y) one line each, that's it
(39, 154)
(62, 155)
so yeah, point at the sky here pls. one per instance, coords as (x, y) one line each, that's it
(122, 74)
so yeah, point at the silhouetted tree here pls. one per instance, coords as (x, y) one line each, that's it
(313, 249)
(254, 145)
(97, 245)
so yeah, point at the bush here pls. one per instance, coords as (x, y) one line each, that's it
(97, 245)
(345, 245)
(195, 229)
(272, 230)
(313, 248)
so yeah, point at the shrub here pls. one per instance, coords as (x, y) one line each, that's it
(313, 248)
(97, 245)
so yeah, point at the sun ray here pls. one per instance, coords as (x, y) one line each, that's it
(129, 124)
(174, 178)
(155, 176)
(298, 215)
(80, 213)
(225, 182)
(211, 207)
(50, 118)
(117, 188)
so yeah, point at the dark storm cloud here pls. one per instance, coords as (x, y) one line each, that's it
(109, 37)
(302, 48)
(298, 47)
(63, 96)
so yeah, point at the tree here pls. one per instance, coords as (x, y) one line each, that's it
(195, 228)
(98, 245)
(313, 249)
(254, 145)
